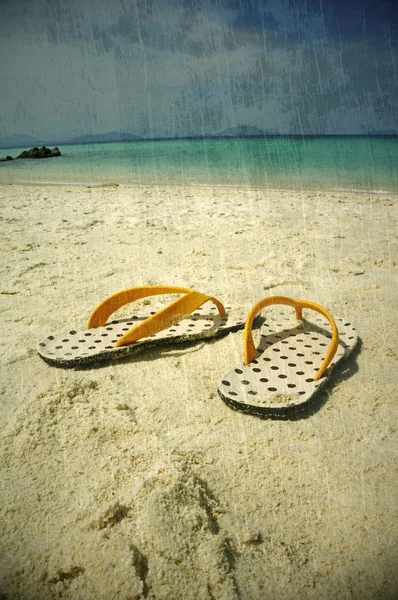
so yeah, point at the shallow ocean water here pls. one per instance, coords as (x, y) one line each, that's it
(322, 163)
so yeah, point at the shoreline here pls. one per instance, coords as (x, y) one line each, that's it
(249, 187)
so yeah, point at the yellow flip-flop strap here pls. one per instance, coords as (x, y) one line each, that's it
(249, 350)
(164, 318)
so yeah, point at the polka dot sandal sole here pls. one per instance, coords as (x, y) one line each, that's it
(280, 381)
(74, 348)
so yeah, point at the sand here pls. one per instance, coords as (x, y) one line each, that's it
(134, 480)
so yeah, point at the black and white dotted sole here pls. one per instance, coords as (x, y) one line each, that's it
(74, 348)
(279, 382)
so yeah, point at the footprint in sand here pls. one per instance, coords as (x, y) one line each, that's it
(188, 555)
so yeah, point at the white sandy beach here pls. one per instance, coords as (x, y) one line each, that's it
(134, 480)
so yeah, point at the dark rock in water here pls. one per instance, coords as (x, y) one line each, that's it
(40, 153)
(44, 152)
(35, 152)
(32, 153)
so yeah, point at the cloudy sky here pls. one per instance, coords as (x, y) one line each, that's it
(71, 67)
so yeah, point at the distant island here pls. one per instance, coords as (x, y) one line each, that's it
(98, 138)
(21, 141)
(18, 141)
(240, 131)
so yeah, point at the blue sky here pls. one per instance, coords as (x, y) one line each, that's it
(180, 67)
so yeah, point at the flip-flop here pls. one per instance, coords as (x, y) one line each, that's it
(190, 317)
(292, 362)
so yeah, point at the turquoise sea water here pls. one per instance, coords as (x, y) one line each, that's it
(332, 163)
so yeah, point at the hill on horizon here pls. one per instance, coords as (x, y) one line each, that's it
(111, 136)
(18, 140)
(240, 131)
(27, 141)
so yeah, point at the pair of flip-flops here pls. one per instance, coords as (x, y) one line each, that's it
(293, 360)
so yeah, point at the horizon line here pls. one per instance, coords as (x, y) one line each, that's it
(74, 142)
